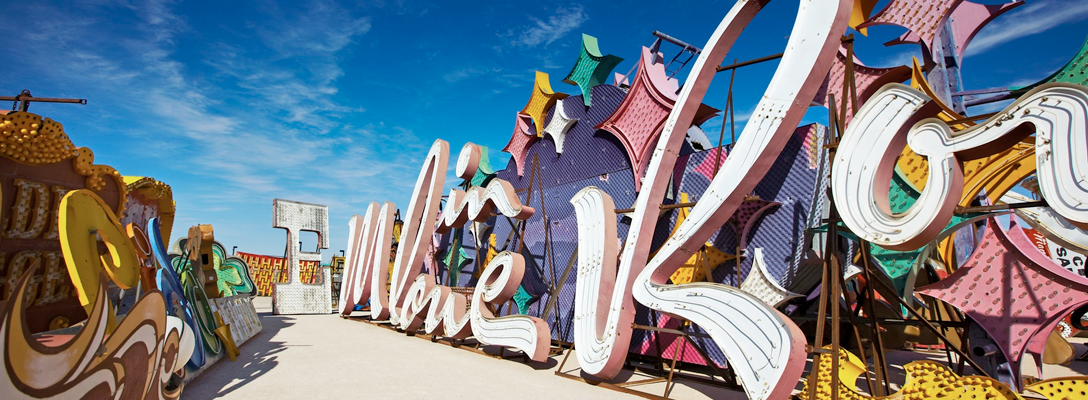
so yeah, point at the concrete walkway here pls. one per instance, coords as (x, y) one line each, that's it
(328, 357)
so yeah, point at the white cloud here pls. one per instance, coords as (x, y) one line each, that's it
(1028, 20)
(560, 23)
(265, 120)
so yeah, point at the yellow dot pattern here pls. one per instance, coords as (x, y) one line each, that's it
(30, 139)
(925, 380)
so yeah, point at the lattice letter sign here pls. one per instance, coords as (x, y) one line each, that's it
(295, 297)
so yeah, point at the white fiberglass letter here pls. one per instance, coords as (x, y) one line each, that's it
(1056, 113)
(367, 261)
(419, 224)
(497, 285)
(765, 348)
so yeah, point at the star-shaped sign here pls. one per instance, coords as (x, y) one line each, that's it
(922, 17)
(542, 100)
(641, 116)
(696, 267)
(968, 19)
(1012, 290)
(712, 162)
(592, 68)
(520, 140)
(559, 125)
(860, 13)
(760, 284)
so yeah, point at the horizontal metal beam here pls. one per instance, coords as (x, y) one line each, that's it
(43, 99)
(677, 42)
(980, 91)
(1000, 207)
(721, 68)
(987, 100)
(680, 205)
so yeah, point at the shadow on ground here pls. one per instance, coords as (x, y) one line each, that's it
(258, 356)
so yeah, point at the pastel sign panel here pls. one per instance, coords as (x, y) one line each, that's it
(296, 297)
(765, 349)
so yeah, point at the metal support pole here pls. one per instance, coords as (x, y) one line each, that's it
(736, 65)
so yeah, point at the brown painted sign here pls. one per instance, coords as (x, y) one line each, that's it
(38, 165)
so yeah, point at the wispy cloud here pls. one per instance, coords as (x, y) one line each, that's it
(255, 112)
(469, 73)
(563, 21)
(897, 59)
(1028, 20)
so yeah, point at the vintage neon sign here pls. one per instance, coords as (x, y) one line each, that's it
(425, 304)
(898, 115)
(87, 365)
(296, 297)
(761, 344)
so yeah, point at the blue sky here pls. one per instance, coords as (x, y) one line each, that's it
(236, 103)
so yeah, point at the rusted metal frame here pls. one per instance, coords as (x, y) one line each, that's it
(988, 100)
(1000, 207)
(662, 207)
(937, 306)
(684, 48)
(547, 224)
(848, 40)
(550, 252)
(729, 109)
(623, 387)
(851, 306)
(963, 341)
(980, 91)
(729, 378)
(552, 297)
(678, 42)
(879, 358)
(657, 341)
(750, 197)
(611, 386)
(549, 257)
(836, 317)
(528, 198)
(817, 348)
(972, 118)
(736, 65)
(830, 262)
(737, 268)
(23, 99)
(509, 236)
(850, 87)
(892, 321)
(732, 109)
(680, 374)
(669, 330)
(672, 367)
(935, 330)
(642, 382)
(702, 353)
(565, 357)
